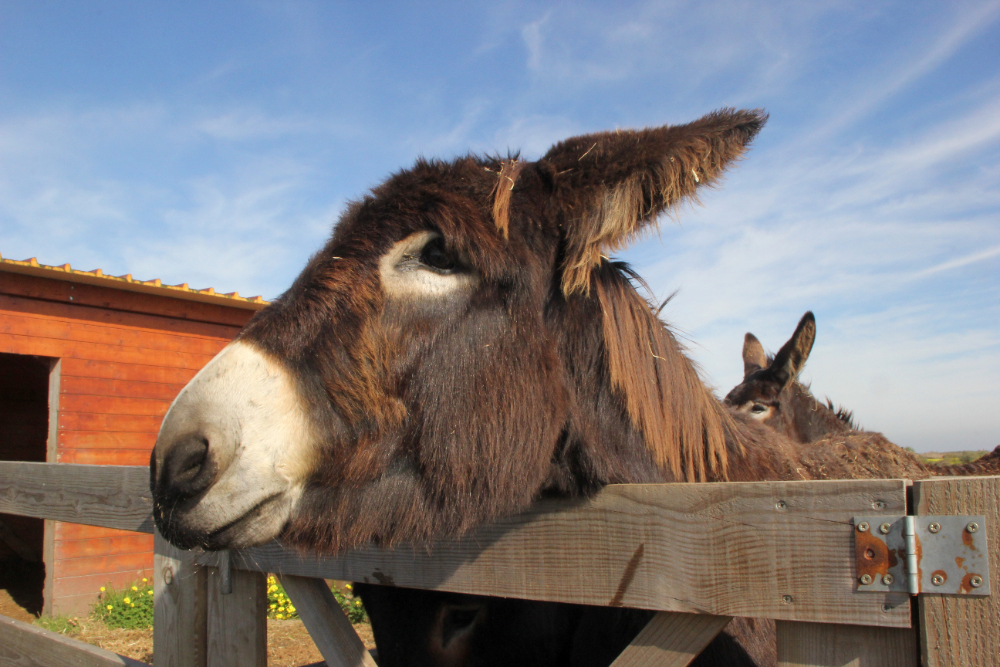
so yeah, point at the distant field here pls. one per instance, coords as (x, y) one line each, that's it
(952, 458)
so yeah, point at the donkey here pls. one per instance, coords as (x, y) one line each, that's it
(461, 347)
(771, 393)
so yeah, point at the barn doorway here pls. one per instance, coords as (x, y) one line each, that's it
(24, 436)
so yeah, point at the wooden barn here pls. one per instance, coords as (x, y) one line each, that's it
(89, 365)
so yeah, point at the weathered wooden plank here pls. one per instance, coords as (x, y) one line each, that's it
(115, 405)
(69, 328)
(109, 496)
(78, 567)
(23, 645)
(113, 457)
(129, 543)
(962, 630)
(104, 440)
(130, 372)
(235, 313)
(671, 639)
(90, 386)
(107, 317)
(329, 628)
(764, 549)
(180, 626)
(834, 645)
(54, 347)
(237, 622)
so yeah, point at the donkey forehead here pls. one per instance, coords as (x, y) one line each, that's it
(454, 199)
(759, 386)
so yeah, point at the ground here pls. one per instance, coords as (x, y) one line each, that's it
(288, 642)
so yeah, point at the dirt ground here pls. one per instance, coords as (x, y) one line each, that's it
(288, 642)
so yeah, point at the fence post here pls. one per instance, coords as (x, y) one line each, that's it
(959, 629)
(179, 630)
(237, 621)
(837, 645)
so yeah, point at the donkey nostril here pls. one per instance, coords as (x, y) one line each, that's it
(186, 469)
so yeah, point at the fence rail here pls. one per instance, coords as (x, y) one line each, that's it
(696, 553)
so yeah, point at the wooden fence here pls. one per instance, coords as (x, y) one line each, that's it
(698, 554)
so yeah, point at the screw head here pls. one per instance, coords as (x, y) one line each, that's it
(168, 575)
(781, 505)
(972, 527)
(934, 527)
(786, 599)
(886, 608)
(878, 505)
(976, 581)
(863, 526)
(937, 580)
(884, 528)
(866, 579)
(887, 579)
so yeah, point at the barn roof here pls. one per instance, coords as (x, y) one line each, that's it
(127, 282)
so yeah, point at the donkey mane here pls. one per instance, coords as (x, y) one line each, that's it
(844, 415)
(683, 425)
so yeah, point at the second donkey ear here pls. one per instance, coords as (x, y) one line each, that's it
(754, 357)
(790, 359)
(609, 186)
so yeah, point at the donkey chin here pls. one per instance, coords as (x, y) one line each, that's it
(232, 455)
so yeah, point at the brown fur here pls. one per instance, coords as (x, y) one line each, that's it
(506, 180)
(646, 368)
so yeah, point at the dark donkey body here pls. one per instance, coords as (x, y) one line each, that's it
(461, 347)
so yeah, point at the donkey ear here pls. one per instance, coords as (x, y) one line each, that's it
(754, 357)
(609, 186)
(792, 356)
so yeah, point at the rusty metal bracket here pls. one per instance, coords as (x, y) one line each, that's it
(922, 554)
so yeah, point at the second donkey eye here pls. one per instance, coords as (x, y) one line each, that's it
(436, 258)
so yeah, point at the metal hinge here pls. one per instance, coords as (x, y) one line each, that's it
(922, 554)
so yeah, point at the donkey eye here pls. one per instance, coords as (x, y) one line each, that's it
(434, 257)
(758, 408)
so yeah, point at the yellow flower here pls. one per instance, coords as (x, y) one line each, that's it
(133, 604)
(144, 580)
(279, 616)
(150, 592)
(291, 609)
(349, 587)
(110, 607)
(357, 603)
(127, 601)
(102, 589)
(273, 606)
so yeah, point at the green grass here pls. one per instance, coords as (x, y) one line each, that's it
(280, 607)
(953, 458)
(130, 608)
(64, 625)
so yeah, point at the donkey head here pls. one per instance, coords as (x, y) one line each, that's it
(460, 345)
(770, 391)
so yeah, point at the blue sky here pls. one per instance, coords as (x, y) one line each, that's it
(216, 144)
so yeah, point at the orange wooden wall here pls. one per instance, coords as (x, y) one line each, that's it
(124, 357)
